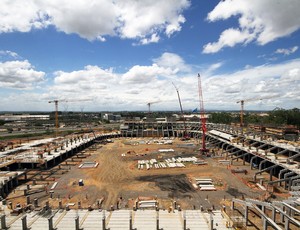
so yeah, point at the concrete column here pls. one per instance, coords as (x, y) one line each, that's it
(77, 223)
(50, 223)
(10, 182)
(35, 202)
(273, 214)
(263, 209)
(157, 221)
(24, 222)
(271, 174)
(103, 221)
(184, 221)
(60, 204)
(79, 204)
(265, 224)
(246, 215)
(27, 200)
(211, 222)
(6, 186)
(287, 223)
(47, 205)
(130, 221)
(3, 222)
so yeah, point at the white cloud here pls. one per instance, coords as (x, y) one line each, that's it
(153, 39)
(143, 20)
(173, 61)
(132, 90)
(19, 75)
(263, 21)
(278, 80)
(287, 51)
(8, 53)
(145, 74)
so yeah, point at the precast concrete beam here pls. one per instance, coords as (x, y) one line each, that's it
(264, 170)
(261, 163)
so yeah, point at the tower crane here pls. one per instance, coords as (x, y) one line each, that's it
(149, 105)
(248, 100)
(202, 116)
(185, 135)
(56, 110)
(56, 114)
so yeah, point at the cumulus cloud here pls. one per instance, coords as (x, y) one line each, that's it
(93, 20)
(260, 21)
(173, 61)
(19, 75)
(287, 51)
(145, 74)
(275, 82)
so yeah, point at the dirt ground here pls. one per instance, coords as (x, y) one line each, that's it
(117, 179)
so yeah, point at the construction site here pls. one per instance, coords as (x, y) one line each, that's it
(152, 175)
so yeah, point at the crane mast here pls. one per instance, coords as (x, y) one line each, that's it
(202, 116)
(185, 135)
(56, 116)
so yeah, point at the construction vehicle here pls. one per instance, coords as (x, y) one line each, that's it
(185, 135)
(203, 149)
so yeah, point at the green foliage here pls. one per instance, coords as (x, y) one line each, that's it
(221, 117)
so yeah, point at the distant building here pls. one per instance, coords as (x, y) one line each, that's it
(111, 117)
(23, 117)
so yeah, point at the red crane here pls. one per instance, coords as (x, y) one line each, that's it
(202, 116)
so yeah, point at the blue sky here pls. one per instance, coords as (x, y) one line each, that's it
(120, 55)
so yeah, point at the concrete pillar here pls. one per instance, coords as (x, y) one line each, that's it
(35, 202)
(271, 174)
(27, 200)
(211, 221)
(273, 214)
(263, 210)
(10, 182)
(287, 223)
(79, 204)
(77, 223)
(265, 224)
(47, 204)
(60, 204)
(184, 221)
(5, 186)
(24, 222)
(103, 221)
(50, 223)
(3, 222)
(246, 215)
(130, 221)
(157, 221)
(174, 205)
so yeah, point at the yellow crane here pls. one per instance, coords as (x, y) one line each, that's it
(248, 100)
(56, 110)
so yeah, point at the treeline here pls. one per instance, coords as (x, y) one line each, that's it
(276, 117)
